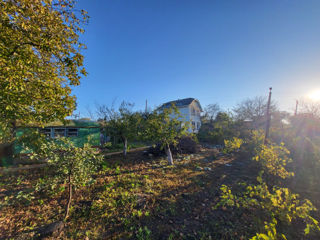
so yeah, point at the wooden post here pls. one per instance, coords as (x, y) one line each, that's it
(268, 118)
(296, 111)
(146, 110)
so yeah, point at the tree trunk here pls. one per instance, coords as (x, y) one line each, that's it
(169, 155)
(69, 199)
(125, 146)
(6, 154)
(10, 150)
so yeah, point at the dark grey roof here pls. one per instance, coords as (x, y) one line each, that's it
(179, 103)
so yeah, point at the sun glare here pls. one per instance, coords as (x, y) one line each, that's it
(315, 95)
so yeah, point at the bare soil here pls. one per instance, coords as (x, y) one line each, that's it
(139, 197)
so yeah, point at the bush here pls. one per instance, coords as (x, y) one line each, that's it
(272, 204)
(278, 204)
(232, 145)
(273, 160)
(254, 141)
(186, 144)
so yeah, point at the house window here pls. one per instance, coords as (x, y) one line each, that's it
(59, 132)
(72, 132)
(193, 112)
(46, 131)
(193, 125)
(198, 125)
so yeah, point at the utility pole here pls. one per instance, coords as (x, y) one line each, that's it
(296, 111)
(146, 110)
(268, 117)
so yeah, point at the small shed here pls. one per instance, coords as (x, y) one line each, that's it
(79, 131)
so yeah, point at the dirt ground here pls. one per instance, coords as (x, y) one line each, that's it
(139, 197)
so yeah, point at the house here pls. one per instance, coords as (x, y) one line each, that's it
(190, 110)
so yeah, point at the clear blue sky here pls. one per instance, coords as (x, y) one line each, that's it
(216, 51)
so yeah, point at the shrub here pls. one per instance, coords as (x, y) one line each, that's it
(232, 145)
(273, 159)
(276, 204)
(279, 204)
(271, 234)
(254, 142)
(187, 144)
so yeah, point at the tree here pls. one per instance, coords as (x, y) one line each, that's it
(254, 109)
(40, 60)
(166, 127)
(220, 129)
(211, 111)
(310, 108)
(223, 118)
(68, 164)
(120, 123)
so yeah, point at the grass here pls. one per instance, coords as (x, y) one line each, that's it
(139, 197)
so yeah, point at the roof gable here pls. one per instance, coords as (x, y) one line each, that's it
(196, 104)
(180, 103)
